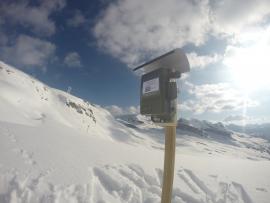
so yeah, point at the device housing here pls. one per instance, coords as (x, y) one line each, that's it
(159, 88)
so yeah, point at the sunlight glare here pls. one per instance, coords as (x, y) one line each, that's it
(249, 66)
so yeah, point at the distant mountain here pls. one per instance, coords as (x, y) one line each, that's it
(136, 121)
(198, 127)
(203, 128)
(257, 130)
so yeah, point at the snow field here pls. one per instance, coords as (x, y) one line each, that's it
(43, 167)
(55, 147)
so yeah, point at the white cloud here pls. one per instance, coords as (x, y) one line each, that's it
(114, 110)
(131, 30)
(133, 109)
(117, 111)
(72, 59)
(135, 31)
(35, 17)
(29, 52)
(77, 20)
(244, 120)
(201, 61)
(235, 118)
(215, 98)
(233, 16)
(232, 118)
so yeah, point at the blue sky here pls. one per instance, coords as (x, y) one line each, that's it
(92, 47)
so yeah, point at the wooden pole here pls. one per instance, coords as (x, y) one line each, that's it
(169, 157)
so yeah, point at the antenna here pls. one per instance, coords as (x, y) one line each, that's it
(69, 89)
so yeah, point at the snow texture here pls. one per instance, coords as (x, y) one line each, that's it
(55, 147)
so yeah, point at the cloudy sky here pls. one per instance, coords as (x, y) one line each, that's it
(91, 47)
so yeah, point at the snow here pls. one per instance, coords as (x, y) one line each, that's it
(55, 147)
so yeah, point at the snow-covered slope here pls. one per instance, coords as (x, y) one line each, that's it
(257, 130)
(55, 147)
(24, 100)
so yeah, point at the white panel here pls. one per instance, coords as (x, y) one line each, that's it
(150, 86)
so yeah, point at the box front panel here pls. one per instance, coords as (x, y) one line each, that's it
(153, 98)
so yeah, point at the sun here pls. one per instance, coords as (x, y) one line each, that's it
(249, 64)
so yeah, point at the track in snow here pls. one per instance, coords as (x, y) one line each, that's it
(119, 183)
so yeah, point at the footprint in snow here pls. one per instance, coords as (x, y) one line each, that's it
(261, 189)
(7, 132)
(232, 191)
(28, 157)
(12, 137)
(213, 176)
(242, 192)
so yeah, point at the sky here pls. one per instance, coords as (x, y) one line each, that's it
(92, 46)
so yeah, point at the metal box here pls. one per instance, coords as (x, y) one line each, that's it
(158, 86)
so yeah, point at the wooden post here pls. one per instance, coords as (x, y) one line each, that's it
(169, 157)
